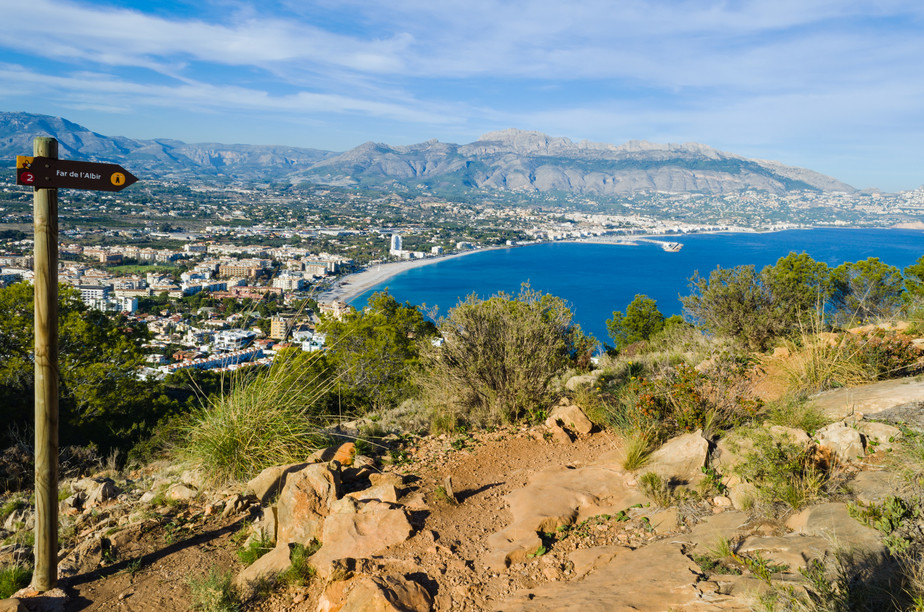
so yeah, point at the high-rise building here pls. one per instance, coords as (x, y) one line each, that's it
(395, 243)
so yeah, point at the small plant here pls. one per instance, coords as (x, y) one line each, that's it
(12, 578)
(256, 547)
(444, 496)
(301, 572)
(655, 488)
(11, 506)
(539, 552)
(133, 567)
(760, 567)
(214, 592)
(894, 517)
(712, 482)
(638, 449)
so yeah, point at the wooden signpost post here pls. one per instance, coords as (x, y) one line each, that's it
(46, 174)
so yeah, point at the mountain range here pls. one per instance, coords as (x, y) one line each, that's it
(511, 159)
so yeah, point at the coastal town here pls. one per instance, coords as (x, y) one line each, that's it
(224, 276)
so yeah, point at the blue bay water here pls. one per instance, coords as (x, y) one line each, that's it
(597, 279)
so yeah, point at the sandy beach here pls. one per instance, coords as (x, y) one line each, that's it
(352, 285)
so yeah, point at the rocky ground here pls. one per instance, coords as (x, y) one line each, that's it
(521, 518)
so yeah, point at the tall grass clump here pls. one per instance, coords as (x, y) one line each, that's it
(826, 361)
(268, 416)
(214, 592)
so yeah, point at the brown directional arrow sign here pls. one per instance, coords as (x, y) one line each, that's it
(49, 173)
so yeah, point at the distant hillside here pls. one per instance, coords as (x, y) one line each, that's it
(531, 161)
(506, 160)
(162, 158)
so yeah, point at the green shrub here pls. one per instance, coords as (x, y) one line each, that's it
(499, 357)
(13, 578)
(783, 472)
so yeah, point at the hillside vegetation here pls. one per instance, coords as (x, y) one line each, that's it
(753, 347)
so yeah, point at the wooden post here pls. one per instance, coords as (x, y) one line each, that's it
(45, 574)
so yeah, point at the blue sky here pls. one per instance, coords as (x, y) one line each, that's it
(832, 85)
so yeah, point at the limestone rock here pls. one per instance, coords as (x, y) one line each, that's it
(305, 500)
(557, 498)
(879, 436)
(742, 495)
(680, 459)
(872, 487)
(845, 441)
(571, 417)
(267, 567)
(97, 490)
(654, 577)
(267, 484)
(375, 594)
(53, 600)
(12, 605)
(833, 521)
(385, 493)
(794, 549)
(180, 492)
(878, 399)
(586, 559)
(386, 478)
(19, 520)
(359, 536)
(789, 434)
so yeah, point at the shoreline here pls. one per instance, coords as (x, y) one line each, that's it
(349, 287)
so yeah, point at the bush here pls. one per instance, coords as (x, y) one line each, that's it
(733, 303)
(641, 321)
(499, 357)
(12, 578)
(268, 417)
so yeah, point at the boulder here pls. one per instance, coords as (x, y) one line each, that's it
(267, 484)
(742, 495)
(375, 593)
(844, 441)
(12, 605)
(680, 459)
(97, 490)
(571, 417)
(305, 500)
(359, 536)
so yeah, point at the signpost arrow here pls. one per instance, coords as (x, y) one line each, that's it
(50, 173)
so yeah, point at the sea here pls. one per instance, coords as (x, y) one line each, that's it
(597, 279)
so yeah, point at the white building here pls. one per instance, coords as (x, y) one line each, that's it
(395, 244)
